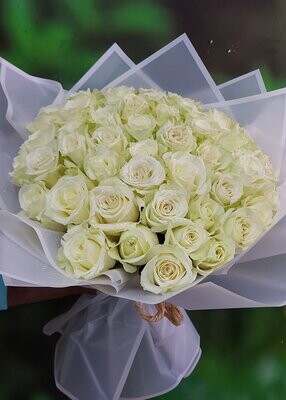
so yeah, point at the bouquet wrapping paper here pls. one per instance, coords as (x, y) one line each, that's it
(255, 278)
(141, 360)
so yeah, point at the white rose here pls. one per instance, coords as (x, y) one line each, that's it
(112, 202)
(71, 124)
(214, 155)
(77, 101)
(41, 137)
(133, 104)
(133, 247)
(187, 171)
(202, 126)
(153, 95)
(141, 126)
(250, 164)
(262, 207)
(84, 253)
(97, 99)
(67, 201)
(111, 137)
(18, 175)
(72, 145)
(166, 207)
(227, 188)
(73, 118)
(255, 166)
(101, 164)
(261, 187)
(104, 116)
(32, 198)
(221, 121)
(270, 173)
(176, 138)
(148, 147)
(47, 117)
(242, 226)
(188, 107)
(114, 95)
(273, 198)
(169, 269)
(189, 236)
(214, 253)
(165, 112)
(233, 139)
(42, 160)
(216, 125)
(206, 210)
(143, 172)
(33, 201)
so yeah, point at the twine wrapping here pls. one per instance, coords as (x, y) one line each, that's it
(164, 309)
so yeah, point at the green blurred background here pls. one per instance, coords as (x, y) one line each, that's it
(244, 351)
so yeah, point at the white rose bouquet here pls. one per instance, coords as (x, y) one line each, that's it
(148, 183)
(171, 198)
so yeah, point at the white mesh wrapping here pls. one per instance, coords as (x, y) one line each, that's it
(108, 352)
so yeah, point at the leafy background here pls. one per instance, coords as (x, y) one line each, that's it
(244, 351)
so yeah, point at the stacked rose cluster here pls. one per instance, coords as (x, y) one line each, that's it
(146, 181)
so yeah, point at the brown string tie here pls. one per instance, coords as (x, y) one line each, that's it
(164, 309)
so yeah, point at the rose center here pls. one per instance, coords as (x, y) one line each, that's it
(219, 252)
(191, 236)
(142, 173)
(175, 135)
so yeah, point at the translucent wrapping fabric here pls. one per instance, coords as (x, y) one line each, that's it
(259, 283)
(245, 85)
(177, 68)
(113, 63)
(118, 355)
(10, 140)
(25, 95)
